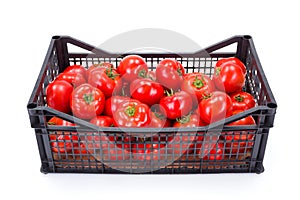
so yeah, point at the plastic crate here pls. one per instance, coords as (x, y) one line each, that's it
(245, 160)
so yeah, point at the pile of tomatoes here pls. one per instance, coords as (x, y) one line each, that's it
(131, 95)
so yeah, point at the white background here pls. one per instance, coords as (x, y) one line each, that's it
(26, 29)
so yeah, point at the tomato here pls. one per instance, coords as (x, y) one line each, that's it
(239, 141)
(229, 77)
(170, 74)
(146, 91)
(242, 101)
(106, 65)
(158, 120)
(63, 143)
(215, 106)
(87, 101)
(197, 85)
(58, 95)
(75, 79)
(102, 121)
(212, 151)
(59, 122)
(148, 150)
(105, 79)
(113, 103)
(176, 104)
(232, 60)
(132, 114)
(76, 69)
(132, 67)
(151, 75)
(124, 142)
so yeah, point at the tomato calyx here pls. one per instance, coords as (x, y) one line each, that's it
(218, 70)
(142, 73)
(88, 98)
(239, 98)
(169, 93)
(110, 74)
(179, 71)
(206, 96)
(159, 115)
(130, 111)
(184, 119)
(198, 83)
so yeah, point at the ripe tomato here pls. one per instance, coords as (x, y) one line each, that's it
(232, 60)
(102, 121)
(132, 114)
(63, 143)
(146, 91)
(59, 122)
(58, 95)
(75, 79)
(197, 85)
(176, 104)
(87, 101)
(242, 101)
(76, 69)
(148, 151)
(158, 120)
(114, 102)
(170, 74)
(106, 65)
(239, 141)
(132, 67)
(215, 106)
(229, 77)
(105, 79)
(212, 151)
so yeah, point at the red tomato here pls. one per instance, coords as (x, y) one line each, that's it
(239, 141)
(59, 122)
(215, 106)
(197, 85)
(242, 101)
(170, 73)
(114, 102)
(63, 143)
(106, 65)
(105, 79)
(132, 67)
(58, 95)
(158, 120)
(146, 91)
(148, 151)
(176, 105)
(87, 101)
(76, 69)
(132, 114)
(212, 151)
(232, 60)
(75, 79)
(102, 121)
(229, 77)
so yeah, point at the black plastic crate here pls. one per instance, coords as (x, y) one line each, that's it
(112, 160)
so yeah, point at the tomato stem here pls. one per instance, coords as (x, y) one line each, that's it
(142, 73)
(171, 93)
(239, 98)
(88, 98)
(110, 74)
(130, 111)
(198, 83)
(184, 119)
(206, 96)
(179, 71)
(218, 70)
